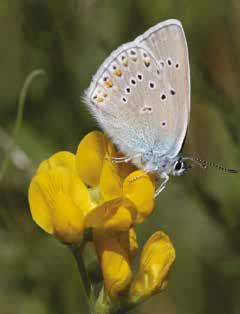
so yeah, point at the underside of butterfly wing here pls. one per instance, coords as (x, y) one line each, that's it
(141, 93)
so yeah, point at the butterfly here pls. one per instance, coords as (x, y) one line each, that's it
(140, 96)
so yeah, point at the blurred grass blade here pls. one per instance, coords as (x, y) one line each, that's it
(19, 118)
(17, 156)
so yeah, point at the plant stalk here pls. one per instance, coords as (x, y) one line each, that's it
(86, 283)
(19, 118)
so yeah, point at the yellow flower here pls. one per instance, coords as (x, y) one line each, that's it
(90, 157)
(125, 197)
(118, 197)
(72, 192)
(115, 262)
(157, 256)
(58, 198)
(116, 250)
(140, 192)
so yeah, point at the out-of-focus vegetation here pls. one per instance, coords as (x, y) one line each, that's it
(200, 211)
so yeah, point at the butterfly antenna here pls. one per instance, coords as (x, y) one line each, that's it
(205, 164)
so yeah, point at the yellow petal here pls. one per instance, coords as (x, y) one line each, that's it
(42, 195)
(133, 244)
(80, 195)
(157, 257)
(110, 181)
(118, 214)
(68, 219)
(58, 199)
(115, 263)
(61, 159)
(43, 191)
(39, 207)
(139, 188)
(90, 156)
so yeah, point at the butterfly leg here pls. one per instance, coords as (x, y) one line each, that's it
(124, 159)
(138, 177)
(119, 160)
(162, 186)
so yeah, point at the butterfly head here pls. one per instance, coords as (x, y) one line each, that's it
(180, 165)
(170, 166)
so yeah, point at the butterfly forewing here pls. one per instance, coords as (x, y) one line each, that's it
(140, 94)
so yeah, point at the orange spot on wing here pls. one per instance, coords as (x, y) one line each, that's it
(118, 72)
(108, 83)
(147, 63)
(99, 99)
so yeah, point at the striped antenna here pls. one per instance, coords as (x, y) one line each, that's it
(205, 164)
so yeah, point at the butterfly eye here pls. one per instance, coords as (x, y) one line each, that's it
(179, 165)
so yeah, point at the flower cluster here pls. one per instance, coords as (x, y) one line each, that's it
(73, 193)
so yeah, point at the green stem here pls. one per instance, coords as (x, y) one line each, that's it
(122, 308)
(86, 283)
(104, 306)
(19, 117)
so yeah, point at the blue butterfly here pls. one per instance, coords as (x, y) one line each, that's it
(140, 96)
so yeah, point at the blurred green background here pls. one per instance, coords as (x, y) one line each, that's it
(200, 211)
